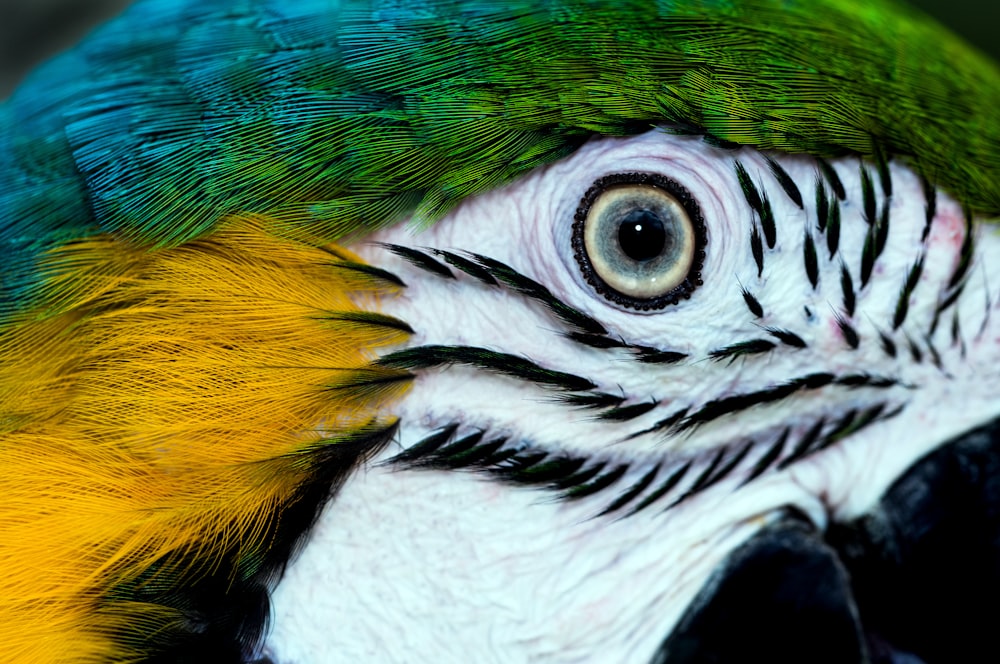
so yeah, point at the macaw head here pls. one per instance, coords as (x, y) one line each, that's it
(464, 331)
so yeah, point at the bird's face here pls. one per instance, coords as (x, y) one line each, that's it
(630, 364)
(626, 388)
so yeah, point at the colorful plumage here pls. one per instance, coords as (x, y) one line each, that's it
(190, 358)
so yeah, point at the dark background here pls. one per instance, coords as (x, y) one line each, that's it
(30, 30)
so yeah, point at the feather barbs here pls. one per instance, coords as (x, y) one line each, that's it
(163, 414)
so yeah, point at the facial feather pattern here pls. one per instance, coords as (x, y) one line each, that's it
(604, 471)
(463, 331)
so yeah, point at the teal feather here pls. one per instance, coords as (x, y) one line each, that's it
(339, 117)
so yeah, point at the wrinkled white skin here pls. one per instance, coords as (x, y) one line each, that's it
(451, 566)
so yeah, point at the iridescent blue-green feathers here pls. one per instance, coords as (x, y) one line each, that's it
(185, 372)
(340, 116)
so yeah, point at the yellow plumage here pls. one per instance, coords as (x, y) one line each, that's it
(178, 398)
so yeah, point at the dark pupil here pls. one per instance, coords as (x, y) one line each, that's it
(642, 235)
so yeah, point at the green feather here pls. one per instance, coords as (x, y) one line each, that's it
(337, 118)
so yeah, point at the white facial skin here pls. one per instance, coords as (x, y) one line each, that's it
(412, 565)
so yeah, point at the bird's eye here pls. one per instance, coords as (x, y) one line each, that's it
(639, 240)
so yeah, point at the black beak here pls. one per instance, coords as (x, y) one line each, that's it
(915, 581)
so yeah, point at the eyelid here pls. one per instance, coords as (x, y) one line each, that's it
(591, 270)
(704, 171)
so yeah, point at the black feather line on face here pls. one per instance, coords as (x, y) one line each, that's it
(851, 422)
(750, 191)
(805, 445)
(633, 492)
(831, 176)
(759, 203)
(599, 484)
(731, 405)
(598, 341)
(648, 355)
(930, 196)
(822, 206)
(592, 400)
(868, 195)
(767, 460)
(730, 465)
(427, 357)
(625, 413)
(786, 337)
(370, 318)
(882, 165)
(467, 266)
(704, 479)
(786, 182)
(225, 614)
(488, 452)
(420, 260)
(956, 333)
(364, 382)
(492, 272)
(950, 299)
(665, 425)
(935, 355)
(882, 236)
(678, 475)
(539, 468)
(742, 349)
(833, 229)
(851, 337)
(875, 240)
(753, 304)
(428, 446)
(460, 447)
(664, 489)
(903, 303)
(577, 476)
(811, 259)
(582, 477)
(757, 249)
(531, 288)
(371, 271)
(768, 223)
(847, 290)
(888, 345)
(916, 354)
(940, 310)
(585, 331)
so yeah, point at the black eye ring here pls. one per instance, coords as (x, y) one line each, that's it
(683, 235)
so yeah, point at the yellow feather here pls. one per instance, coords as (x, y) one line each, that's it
(173, 401)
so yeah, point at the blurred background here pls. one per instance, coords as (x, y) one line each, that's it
(31, 30)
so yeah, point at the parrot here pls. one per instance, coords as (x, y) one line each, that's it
(548, 331)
